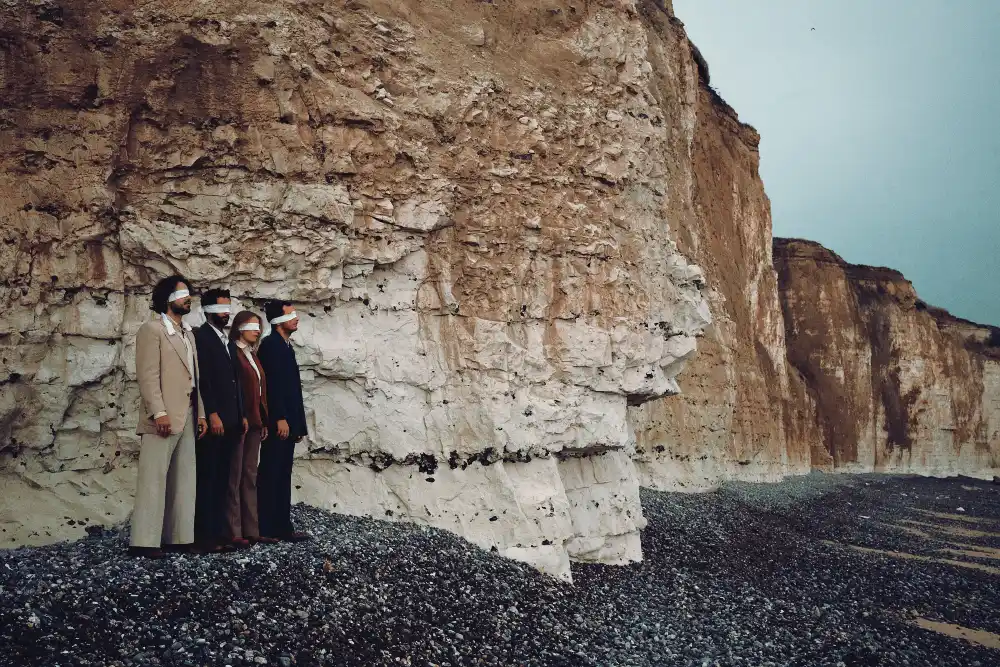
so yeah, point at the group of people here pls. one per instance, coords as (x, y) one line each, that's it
(221, 415)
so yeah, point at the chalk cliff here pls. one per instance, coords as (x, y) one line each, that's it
(468, 202)
(507, 227)
(895, 385)
(730, 420)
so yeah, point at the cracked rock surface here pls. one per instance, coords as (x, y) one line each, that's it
(894, 383)
(817, 570)
(529, 241)
(480, 247)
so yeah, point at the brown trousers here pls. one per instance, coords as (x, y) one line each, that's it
(242, 512)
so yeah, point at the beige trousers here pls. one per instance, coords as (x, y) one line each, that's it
(165, 490)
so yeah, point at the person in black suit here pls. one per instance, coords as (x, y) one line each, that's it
(223, 398)
(286, 424)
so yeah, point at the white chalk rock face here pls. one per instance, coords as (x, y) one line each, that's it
(481, 251)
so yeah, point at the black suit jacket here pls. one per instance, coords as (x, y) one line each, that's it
(220, 386)
(284, 387)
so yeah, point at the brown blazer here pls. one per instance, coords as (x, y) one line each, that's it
(164, 377)
(256, 411)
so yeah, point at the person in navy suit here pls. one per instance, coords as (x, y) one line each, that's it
(223, 397)
(286, 424)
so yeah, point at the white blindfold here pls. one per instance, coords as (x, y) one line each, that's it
(284, 318)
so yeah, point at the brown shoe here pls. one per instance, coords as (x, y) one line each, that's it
(145, 552)
(240, 543)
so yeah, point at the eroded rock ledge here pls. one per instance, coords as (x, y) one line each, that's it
(507, 226)
(471, 203)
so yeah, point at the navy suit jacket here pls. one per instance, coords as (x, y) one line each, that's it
(220, 387)
(284, 387)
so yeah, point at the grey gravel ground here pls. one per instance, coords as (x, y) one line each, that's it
(750, 575)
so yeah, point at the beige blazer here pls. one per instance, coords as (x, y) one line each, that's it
(164, 377)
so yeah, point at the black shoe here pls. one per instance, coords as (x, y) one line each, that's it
(203, 548)
(145, 552)
(296, 537)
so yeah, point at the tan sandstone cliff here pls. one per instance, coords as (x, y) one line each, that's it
(897, 385)
(730, 420)
(508, 226)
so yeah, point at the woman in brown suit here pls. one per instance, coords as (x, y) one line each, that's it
(242, 513)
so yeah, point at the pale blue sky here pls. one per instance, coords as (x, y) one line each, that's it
(880, 129)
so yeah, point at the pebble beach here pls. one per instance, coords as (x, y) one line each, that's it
(837, 570)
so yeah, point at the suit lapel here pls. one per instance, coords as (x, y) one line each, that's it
(178, 345)
(223, 346)
(194, 351)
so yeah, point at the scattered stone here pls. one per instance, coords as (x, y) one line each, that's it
(475, 35)
(749, 575)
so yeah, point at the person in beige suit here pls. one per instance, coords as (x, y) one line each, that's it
(166, 363)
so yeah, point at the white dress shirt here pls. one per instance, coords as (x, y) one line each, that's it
(171, 331)
(222, 337)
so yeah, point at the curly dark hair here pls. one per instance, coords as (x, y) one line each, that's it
(212, 296)
(275, 309)
(163, 290)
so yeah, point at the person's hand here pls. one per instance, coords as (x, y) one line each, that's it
(202, 427)
(246, 426)
(215, 424)
(163, 426)
(283, 429)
